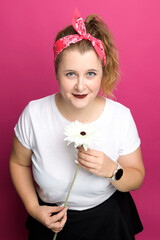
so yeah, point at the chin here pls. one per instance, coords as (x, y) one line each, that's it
(81, 105)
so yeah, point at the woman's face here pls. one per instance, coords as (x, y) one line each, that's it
(79, 76)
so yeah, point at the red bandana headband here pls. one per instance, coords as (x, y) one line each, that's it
(79, 26)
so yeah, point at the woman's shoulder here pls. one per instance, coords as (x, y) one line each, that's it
(39, 107)
(116, 111)
(116, 107)
(41, 102)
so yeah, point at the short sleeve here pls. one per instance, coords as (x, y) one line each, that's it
(23, 128)
(130, 139)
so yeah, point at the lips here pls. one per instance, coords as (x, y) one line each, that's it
(80, 96)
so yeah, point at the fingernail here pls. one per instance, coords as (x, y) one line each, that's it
(76, 161)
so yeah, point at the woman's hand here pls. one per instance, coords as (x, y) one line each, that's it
(96, 162)
(101, 165)
(53, 218)
(20, 162)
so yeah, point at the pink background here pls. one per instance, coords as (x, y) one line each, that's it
(27, 34)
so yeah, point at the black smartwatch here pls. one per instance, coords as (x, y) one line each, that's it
(118, 173)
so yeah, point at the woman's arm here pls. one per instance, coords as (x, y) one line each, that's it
(133, 172)
(20, 161)
(101, 165)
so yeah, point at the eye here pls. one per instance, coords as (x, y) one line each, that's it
(91, 74)
(70, 74)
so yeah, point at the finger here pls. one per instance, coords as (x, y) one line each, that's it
(85, 152)
(86, 157)
(87, 164)
(92, 170)
(88, 160)
(63, 221)
(58, 216)
(89, 152)
(55, 209)
(58, 226)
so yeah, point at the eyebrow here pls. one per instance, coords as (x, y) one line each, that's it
(88, 70)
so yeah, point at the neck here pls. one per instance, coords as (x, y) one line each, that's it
(84, 115)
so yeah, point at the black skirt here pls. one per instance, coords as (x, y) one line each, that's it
(115, 219)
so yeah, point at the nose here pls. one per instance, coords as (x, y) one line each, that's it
(80, 84)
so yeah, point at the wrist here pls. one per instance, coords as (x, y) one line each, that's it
(117, 173)
(110, 169)
(113, 167)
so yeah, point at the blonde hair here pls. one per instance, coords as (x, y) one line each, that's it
(98, 29)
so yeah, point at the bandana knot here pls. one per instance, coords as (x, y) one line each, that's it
(79, 26)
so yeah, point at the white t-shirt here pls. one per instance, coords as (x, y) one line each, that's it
(41, 129)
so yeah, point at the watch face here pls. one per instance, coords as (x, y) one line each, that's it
(119, 174)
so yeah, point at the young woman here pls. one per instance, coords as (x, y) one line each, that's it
(100, 205)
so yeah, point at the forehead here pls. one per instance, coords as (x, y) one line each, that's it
(75, 58)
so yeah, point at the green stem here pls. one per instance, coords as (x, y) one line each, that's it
(65, 204)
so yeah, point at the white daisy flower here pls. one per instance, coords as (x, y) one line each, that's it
(81, 135)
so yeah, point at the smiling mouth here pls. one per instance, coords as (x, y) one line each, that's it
(80, 96)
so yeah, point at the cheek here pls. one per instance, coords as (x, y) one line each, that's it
(96, 85)
(64, 86)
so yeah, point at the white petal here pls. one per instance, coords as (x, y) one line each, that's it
(72, 133)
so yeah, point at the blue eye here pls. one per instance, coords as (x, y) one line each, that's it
(70, 74)
(91, 74)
